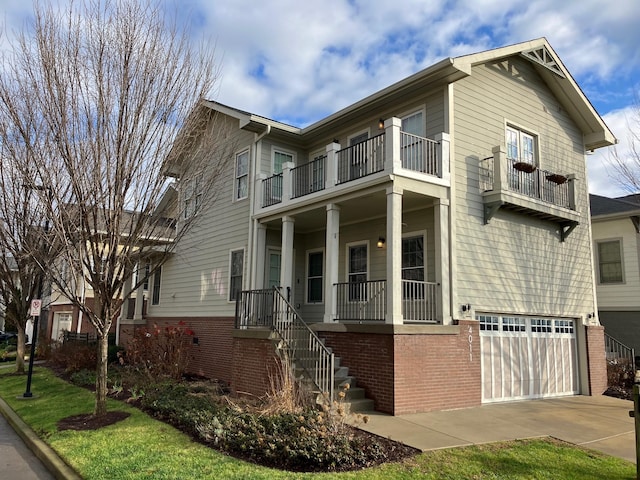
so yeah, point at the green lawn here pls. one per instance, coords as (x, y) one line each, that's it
(142, 448)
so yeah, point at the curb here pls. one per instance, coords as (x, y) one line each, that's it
(50, 459)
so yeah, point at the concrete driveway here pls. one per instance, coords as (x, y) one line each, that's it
(601, 423)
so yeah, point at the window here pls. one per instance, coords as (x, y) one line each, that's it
(314, 277)
(488, 323)
(413, 124)
(357, 272)
(236, 270)
(279, 159)
(192, 196)
(147, 268)
(513, 324)
(413, 267)
(273, 275)
(155, 297)
(521, 146)
(610, 261)
(541, 325)
(242, 175)
(411, 147)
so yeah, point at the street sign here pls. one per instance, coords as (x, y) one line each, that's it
(36, 305)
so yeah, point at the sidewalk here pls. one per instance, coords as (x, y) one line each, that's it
(600, 423)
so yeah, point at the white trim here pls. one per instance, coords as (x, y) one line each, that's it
(306, 275)
(527, 131)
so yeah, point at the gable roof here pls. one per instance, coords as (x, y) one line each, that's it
(449, 70)
(614, 207)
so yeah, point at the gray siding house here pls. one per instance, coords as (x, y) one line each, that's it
(430, 244)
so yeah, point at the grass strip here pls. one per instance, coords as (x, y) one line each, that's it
(141, 447)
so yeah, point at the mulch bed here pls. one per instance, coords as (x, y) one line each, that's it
(89, 421)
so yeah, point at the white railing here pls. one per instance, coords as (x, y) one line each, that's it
(361, 300)
(419, 301)
(419, 154)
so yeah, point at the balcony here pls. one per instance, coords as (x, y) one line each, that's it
(393, 152)
(519, 186)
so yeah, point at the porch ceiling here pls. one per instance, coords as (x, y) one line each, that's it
(352, 210)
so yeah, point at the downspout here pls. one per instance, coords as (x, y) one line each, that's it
(253, 274)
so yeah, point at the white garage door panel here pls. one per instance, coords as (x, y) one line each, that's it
(525, 357)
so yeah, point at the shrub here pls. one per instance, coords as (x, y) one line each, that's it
(161, 351)
(620, 373)
(74, 356)
(84, 378)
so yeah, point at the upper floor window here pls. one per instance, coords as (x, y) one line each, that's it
(610, 261)
(280, 158)
(242, 175)
(413, 124)
(521, 146)
(192, 195)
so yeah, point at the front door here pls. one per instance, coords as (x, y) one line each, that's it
(273, 268)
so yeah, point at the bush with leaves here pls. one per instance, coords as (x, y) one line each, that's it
(161, 352)
(75, 356)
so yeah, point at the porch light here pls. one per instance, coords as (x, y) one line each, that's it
(381, 124)
(381, 242)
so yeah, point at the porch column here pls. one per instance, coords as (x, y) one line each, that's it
(332, 253)
(259, 249)
(286, 258)
(392, 128)
(441, 233)
(332, 164)
(394, 256)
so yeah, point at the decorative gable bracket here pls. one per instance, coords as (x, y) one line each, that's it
(543, 57)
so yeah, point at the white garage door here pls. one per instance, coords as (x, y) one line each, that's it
(527, 357)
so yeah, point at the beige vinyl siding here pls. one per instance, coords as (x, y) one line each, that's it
(517, 263)
(624, 295)
(195, 280)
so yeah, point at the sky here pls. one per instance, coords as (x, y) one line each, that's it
(297, 61)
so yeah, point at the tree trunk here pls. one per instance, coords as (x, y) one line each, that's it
(20, 351)
(101, 377)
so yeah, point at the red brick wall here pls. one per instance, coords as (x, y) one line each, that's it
(212, 356)
(437, 372)
(254, 361)
(369, 357)
(597, 360)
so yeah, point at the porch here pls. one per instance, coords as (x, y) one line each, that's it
(392, 152)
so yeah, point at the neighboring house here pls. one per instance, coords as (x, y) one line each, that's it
(615, 225)
(435, 234)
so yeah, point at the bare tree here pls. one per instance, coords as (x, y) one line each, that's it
(118, 90)
(626, 163)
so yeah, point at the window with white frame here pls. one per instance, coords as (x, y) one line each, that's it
(242, 175)
(236, 269)
(155, 294)
(413, 267)
(280, 157)
(192, 196)
(315, 265)
(357, 271)
(521, 146)
(610, 261)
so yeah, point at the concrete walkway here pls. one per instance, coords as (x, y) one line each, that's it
(601, 423)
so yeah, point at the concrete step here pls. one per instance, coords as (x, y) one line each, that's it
(358, 405)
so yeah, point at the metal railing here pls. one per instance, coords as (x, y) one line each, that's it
(617, 351)
(309, 178)
(419, 301)
(362, 159)
(272, 190)
(297, 343)
(419, 154)
(302, 347)
(361, 300)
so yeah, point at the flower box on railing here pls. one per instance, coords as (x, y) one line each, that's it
(525, 167)
(556, 178)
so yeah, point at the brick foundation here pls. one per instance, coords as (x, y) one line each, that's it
(597, 360)
(254, 363)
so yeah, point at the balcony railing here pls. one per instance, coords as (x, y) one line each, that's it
(272, 190)
(528, 180)
(360, 160)
(419, 154)
(393, 152)
(309, 178)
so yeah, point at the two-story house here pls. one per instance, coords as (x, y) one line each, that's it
(435, 235)
(616, 244)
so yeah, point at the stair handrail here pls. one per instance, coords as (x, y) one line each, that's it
(286, 320)
(616, 350)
